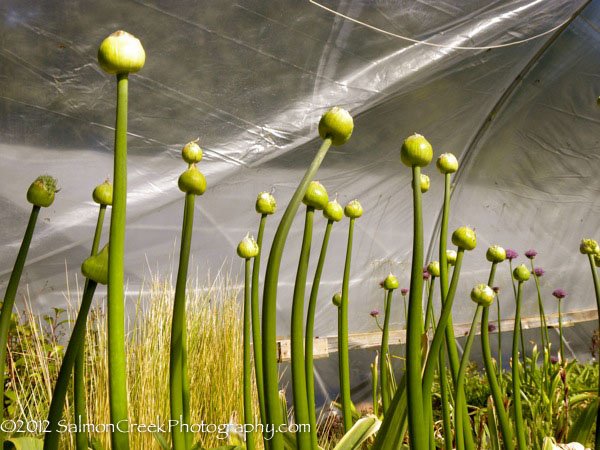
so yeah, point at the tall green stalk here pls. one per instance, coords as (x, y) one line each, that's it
(499, 355)
(522, 339)
(597, 292)
(248, 419)
(516, 380)
(383, 368)
(429, 307)
(444, 389)
(543, 326)
(308, 341)
(560, 330)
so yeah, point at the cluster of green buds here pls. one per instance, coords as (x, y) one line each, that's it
(192, 181)
(42, 190)
(589, 247)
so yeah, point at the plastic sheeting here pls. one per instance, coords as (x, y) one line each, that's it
(251, 79)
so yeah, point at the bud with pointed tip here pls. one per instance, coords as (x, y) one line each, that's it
(589, 247)
(353, 210)
(95, 267)
(336, 124)
(416, 151)
(465, 238)
(390, 283)
(447, 163)
(425, 183)
(433, 268)
(495, 254)
(103, 193)
(41, 191)
(451, 257)
(121, 53)
(337, 299)
(334, 211)
(191, 153)
(482, 294)
(521, 273)
(316, 196)
(192, 181)
(265, 203)
(247, 248)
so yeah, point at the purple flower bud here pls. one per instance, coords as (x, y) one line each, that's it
(511, 254)
(381, 283)
(491, 327)
(404, 291)
(496, 289)
(374, 313)
(531, 253)
(426, 275)
(560, 293)
(538, 271)
(553, 359)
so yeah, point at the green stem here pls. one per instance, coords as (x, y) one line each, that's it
(520, 324)
(460, 393)
(344, 366)
(256, 345)
(597, 292)
(248, 355)
(560, 330)
(499, 337)
(405, 312)
(299, 395)
(385, 392)
(520, 428)
(374, 384)
(81, 437)
(10, 294)
(176, 373)
(62, 382)
(416, 419)
(117, 372)
(544, 328)
(308, 341)
(446, 421)
(269, 330)
(429, 307)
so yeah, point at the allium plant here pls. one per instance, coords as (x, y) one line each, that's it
(390, 283)
(560, 294)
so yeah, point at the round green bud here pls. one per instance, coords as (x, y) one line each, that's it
(433, 268)
(464, 237)
(121, 53)
(41, 191)
(191, 153)
(416, 151)
(495, 254)
(336, 124)
(265, 203)
(316, 196)
(95, 267)
(482, 294)
(451, 257)
(247, 248)
(425, 183)
(589, 247)
(353, 210)
(447, 163)
(334, 211)
(103, 193)
(192, 181)
(521, 273)
(390, 283)
(337, 299)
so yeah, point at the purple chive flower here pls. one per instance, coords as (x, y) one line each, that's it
(382, 283)
(496, 289)
(511, 254)
(426, 275)
(560, 293)
(404, 291)
(538, 271)
(491, 327)
(554, 359)
(531, 253)
(374, 313)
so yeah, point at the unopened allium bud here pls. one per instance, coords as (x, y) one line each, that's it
(416, 151)
(316, 196)
(482, 294)
(447, 163)
(336, 124)
(521, 273)
(465, 238)
(495, 254)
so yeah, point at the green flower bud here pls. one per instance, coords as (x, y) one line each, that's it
(353, 210)
(96, 267)
(464, 237)
(333, 211)
(425, 183)
(265, 203)
(451, 257)
(103, 193)
(337, 299)
(433, 268)
(521, 273)
(41, 191)
(191, 153)
(316, 196)
(589, 247)
(447, 163)
(495, 254)
(192, 181)
(597, 259)
(336, 124)
(483, 295)
(247, 248)
(416, 151)
(121, 53)
(390, 283)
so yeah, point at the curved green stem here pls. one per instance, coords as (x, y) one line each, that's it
(176, 373)
(429, 307)
(416, 419)
(446, 421)
(460, 393)
(303, 439)
(308, 341)
(499, 337)
(247, 355)
(560, 330)
(269, 330)
(117, 371)
(10, 294)
(256, 344)
(383, 369)
(597, 292)
(519, 427)
(344, 365)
